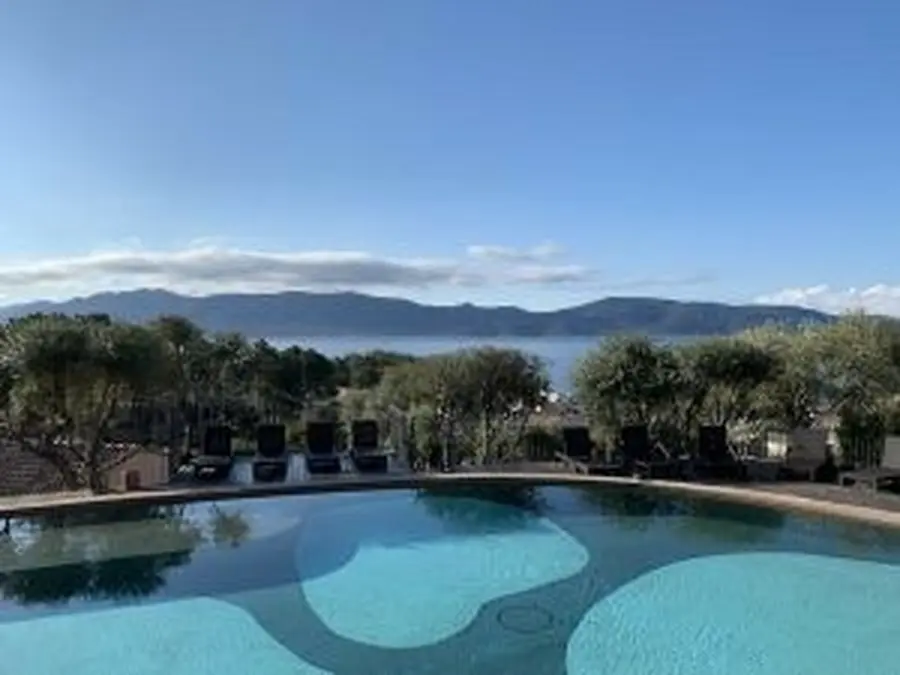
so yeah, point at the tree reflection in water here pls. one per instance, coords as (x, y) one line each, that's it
(632, 509)
(99, 566)
(729, 522)
(229, 528)
(713, 520)
(483, 507)
(866, 540)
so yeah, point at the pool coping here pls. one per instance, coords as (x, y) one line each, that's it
(731, 493)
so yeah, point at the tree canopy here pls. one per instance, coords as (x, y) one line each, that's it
(772, 377)
(86, 392)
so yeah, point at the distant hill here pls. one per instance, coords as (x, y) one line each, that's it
(295, 314)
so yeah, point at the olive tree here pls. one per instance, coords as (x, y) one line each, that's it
(69, 376)
(794, 396)
(501, 390)
(730, 371)
(473, 403)
(628, 380)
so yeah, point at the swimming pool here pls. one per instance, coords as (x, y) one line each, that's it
(514, 579)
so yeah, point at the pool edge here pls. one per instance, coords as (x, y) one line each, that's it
(731, 493)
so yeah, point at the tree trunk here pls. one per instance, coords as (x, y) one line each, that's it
(96, 476)
(485, 439)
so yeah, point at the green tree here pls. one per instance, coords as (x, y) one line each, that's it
(298, 377)
(793, 398)
(857, 359)
(730, 371)
(263, 380)
(628, 380)
(69, 376)
(227, 375)
(471, 403)
(500, 390)
(365, 370)
(186, 350)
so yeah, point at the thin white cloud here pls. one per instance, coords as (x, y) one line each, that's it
(507, 254)
(550, 274)
(660, 283)
(877, 299)
(206, 268)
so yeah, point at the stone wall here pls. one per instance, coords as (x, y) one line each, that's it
(23, 472)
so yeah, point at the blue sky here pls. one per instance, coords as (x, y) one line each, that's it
(537, 152)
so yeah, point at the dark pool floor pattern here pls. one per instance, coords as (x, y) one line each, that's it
(625, 536)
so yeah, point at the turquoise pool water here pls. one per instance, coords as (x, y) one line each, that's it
(527, 580)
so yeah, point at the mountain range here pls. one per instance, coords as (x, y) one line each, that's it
(303, 314)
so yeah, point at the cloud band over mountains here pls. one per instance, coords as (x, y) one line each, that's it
(875, 299)
(205, 268)
(208, 269)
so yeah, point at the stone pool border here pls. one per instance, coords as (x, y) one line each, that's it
(730, 493)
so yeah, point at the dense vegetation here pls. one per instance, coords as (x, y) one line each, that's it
(329, 314)
(83, 392)
(844, 375)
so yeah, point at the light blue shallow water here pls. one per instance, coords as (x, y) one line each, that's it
(746, 614)
(446, 582)
(532, 581)
(185, 637)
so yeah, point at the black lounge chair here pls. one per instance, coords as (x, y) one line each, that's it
(271, 461)
(578, 444)
(886, 473)
(365, 449)
(216, 459)
(642, 458)
(579, 453)
(321, 453)
(577, 448)
(715, 458)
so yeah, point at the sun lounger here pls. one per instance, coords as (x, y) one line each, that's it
(579, 453)
(216, 459)
(715, 458)
(365, 447)
(802, 451)
(887, 472)
(577, 449)
(321, 451)
(578, 444)
(270, 463)
(642, 458)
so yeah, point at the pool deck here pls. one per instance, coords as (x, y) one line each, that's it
(855, 504)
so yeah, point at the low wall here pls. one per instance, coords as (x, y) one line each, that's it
(743, 495)
(24, 473)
